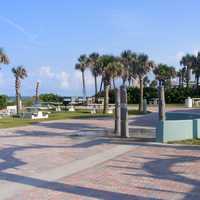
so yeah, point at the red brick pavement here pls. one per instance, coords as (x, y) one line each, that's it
(145, 172)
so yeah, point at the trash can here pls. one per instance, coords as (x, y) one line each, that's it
(188, 102)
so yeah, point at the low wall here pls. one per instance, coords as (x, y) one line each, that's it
(178, 129)
(173, 130)
(181, 116)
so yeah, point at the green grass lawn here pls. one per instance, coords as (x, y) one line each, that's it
(191, 142)
(136, 112)
(10, 122)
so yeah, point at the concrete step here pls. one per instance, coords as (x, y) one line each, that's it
(142, 132)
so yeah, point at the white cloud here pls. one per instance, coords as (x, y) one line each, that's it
(1, 79)
(63, 77)
(65, 80)
(47, 72)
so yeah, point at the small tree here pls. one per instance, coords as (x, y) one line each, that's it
(105, 63)
(95, 69)
(196, 69)
(141, 66)
(188, 61)
(82, 64)
(3, 101)
(164, 73)
(19, 73)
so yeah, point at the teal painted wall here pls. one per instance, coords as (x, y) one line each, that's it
(181, 116)
(174, 130)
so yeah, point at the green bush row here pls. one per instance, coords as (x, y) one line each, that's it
(172, 95)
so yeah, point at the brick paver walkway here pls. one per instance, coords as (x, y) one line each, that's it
(53, 161)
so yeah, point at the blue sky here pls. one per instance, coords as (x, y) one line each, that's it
(48, 36)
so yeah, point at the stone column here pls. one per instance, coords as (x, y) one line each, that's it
(124, 112)
(117, 112)
(145, 106)
(161, 103)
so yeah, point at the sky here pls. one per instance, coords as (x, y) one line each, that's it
(47, 37)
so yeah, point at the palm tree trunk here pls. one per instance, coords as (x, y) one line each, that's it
(197, 80)
(95, 81)
(188, 77)
(124, 81)
(179, 81)
(84, 89)
(17, 87)
(129, 82)
(182, 81)
(141, 94)
(101, 85)
(37, 93)
(114, 86)
(106, 96)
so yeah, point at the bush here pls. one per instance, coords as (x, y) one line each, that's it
(50, 97)
(3, 101)
(172, 95)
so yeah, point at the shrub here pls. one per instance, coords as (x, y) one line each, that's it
(3, 101)
(50, 97)
(172, 95)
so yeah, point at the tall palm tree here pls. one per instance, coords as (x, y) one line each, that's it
(95, 69)
(188, 61)
(164, 73)
(19, 73)
(104, 63)
(82, 64)
(141, 66)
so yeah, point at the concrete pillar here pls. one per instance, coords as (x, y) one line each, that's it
(145, 106)
(117, 112)
(124, 112)
(161, 107)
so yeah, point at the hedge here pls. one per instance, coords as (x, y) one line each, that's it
(173, 95)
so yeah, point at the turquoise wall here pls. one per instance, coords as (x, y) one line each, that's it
(181, 116)
(178, 129)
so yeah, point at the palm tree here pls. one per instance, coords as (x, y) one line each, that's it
(179, 76)
(196, 69)
(19, 73)
(82, 64)
(164, 73)
(93, 58)
(104, 63)
(188, 61)
(141, 66)
(127, 57)
(3, 57)
(37, 96)
(115, 69)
